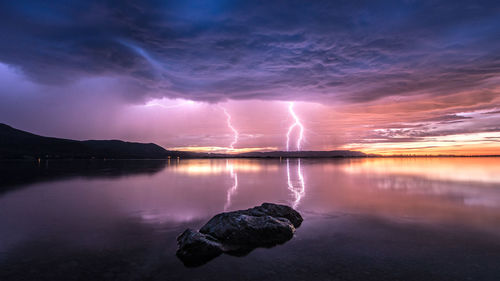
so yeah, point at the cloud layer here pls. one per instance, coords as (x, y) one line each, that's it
(326, 51)
(381, 75)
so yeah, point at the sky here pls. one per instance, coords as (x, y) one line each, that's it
(386, 77)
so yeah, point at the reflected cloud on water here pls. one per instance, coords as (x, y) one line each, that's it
(456, 169)
(453, 179)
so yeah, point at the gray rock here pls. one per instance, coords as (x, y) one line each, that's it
(277, 211)
(239, 230)
(196, 248)
(238, 233)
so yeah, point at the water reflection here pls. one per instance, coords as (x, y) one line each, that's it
(469, 181)
(234, 187)
(193, 190)
(457, 169)
(18, 174)
(102, 214)
(218, 166)
(297, 187)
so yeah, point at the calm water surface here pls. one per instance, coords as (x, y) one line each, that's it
(365, 219)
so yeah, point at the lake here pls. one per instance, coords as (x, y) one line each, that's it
(364, 219)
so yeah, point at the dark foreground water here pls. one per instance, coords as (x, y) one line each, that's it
(365, 219)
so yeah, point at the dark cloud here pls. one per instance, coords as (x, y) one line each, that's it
(350, 51)
(447, 118)
(420, 134)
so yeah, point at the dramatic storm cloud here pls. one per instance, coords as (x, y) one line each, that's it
(385, 71)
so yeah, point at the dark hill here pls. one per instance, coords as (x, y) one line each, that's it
(16, 144)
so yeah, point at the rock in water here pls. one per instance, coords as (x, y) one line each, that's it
(237, 230)
(238, 233)
(195, 247)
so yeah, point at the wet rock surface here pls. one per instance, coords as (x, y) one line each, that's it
(238, 233)
(195, 247)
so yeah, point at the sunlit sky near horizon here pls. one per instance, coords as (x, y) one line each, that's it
(387, 77)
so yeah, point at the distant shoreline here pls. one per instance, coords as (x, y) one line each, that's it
(18, 144)
(251, 157)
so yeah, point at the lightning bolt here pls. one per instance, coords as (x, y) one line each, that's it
(290, 129)
(299, 191)
(230, 166)
(230, 126)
